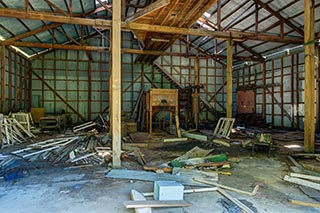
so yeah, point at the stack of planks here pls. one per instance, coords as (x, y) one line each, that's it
(75, 150)
(12, 132)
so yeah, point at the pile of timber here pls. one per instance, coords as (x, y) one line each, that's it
(75, 150)
(12, 132)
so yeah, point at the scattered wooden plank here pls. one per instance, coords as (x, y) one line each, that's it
(228, 187)
(84, 126)
(139, 156)
(302, 182)
(223, 142)
(166, 140)
(311, 167)
(82, 157)
(156, 204)
(302, 203)
(303, 176)
(235, 201)
(158, 170)
(294, 161)
(137, 196)
(195, 136)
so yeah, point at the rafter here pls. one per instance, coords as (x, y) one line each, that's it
(30, 33)
(148, 9)
(105, 6)
(58, 9)
(280, 17)
(259, 57)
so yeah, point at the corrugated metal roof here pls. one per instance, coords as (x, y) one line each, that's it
(236, 15)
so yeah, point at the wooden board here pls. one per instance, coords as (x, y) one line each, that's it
(156, 204)
(137, 196)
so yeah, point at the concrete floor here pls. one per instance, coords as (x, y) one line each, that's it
(56, 189)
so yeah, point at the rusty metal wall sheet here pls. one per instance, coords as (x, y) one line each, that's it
(246, 101)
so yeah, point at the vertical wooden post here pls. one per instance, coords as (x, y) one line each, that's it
(219, 14)
(67, 80)
(116, 84)
(142, 76)
(89, 89)
(318, 90)
(10, 80)
(309, 84)
(123, 10)
(195, 96)
(229, 78)
(263, 67)
(3, 82)
(29, 84)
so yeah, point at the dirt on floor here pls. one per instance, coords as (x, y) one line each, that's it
(38, 186)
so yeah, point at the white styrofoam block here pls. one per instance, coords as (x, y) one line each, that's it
(168, 190)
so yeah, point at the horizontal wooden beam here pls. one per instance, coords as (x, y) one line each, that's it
(106, 24)
(235, 35)
(123, 50)
(59, 46)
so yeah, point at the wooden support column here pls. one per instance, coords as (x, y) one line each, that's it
(318, 90)
(3, 82)
(195, 96)
(264, 111)
(229, 78)
(116, 84)
(29, 91)
(89, 89)
(309, 94)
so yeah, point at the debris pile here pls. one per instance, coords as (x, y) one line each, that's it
(12, 132)
(76, 150)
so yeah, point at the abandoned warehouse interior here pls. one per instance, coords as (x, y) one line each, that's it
(160, 106)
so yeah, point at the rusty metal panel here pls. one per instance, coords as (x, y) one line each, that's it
(246, 101)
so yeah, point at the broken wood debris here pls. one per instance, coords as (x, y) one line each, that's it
(254, 191)
(302, 182)
(303, 176)
(223, 128)
(137, 196)
(84, 126)
(158, 169)
(167, 140)
(77, 150)
(12, 132)
(195, 161)
(302, 203)
(235, 201)
(195, 136)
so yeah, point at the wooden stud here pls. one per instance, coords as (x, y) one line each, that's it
(318, 90)
(67, 80)
(10, 80)
(297, 92)
(229, 78)
(116, 84)
(263, 67)
(89, 89)
(309, 93)
(3, 82)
